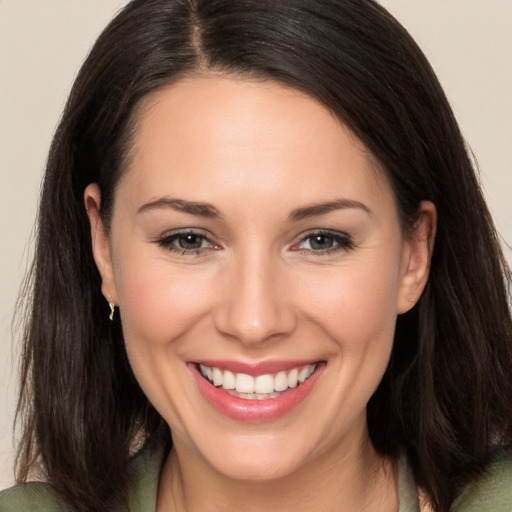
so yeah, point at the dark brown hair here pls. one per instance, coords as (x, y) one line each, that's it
(444, 400)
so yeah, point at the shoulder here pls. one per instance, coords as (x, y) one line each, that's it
(492, 491)
(144, 469)
(30, 497)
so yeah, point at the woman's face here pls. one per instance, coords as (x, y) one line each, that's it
(258, 262)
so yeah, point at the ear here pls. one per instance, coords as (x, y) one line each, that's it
(100, 243)
(416, 257)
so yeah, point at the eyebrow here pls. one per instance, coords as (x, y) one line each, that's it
(181, 205)
(209, 211)
(322, 208)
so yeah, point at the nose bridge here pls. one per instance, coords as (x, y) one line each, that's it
(254, 306)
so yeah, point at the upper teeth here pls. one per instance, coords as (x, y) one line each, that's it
(261, 384)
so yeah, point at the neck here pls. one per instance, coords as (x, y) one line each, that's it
(358, 480)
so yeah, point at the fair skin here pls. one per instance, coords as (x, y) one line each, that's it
(257, 281)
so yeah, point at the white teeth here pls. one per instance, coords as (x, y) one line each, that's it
(281, 381)
(244, 383)
(293, 378)
(261, 387)
(264, 384)
(304, 373)
(217, 377)
(228, 380)
(247, 396)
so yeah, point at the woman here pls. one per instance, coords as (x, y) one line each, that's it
(255, 285)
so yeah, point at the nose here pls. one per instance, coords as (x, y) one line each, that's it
(255, 304)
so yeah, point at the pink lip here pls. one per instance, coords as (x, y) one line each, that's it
(254, 411)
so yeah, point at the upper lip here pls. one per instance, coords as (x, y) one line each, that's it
(256, 368)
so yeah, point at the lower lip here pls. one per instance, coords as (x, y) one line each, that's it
(255, 411)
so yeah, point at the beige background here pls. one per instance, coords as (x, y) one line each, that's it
(43, 42)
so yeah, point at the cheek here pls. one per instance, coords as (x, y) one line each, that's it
(356, 305)
(160, 307)
(158, 303)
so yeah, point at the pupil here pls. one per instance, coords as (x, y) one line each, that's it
(321, 242)
(190, 242)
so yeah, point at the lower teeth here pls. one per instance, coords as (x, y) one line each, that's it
(253, 396)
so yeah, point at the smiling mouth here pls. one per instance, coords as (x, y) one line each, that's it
(260, 387)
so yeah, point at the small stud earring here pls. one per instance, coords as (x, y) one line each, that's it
(112, 310)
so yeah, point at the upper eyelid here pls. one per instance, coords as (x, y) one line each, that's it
(171, 236)
(343, 240)
(212, 240)
(184, 231)
(168, 242)
(322, 231)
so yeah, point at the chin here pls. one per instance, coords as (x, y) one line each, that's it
(258, 468)
(255, 457)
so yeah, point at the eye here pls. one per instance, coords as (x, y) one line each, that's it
(190, 241)
(324, 242)
(186, 242)
(321, 242)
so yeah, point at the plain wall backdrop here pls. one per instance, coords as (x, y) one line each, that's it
(43, 42)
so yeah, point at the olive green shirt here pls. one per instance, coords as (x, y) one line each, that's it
(491, 493)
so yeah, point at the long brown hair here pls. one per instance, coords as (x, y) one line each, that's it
(444, 400)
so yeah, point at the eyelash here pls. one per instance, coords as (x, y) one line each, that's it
(342, 241)
(168, 242)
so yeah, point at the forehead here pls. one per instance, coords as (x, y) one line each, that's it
(245, 137)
